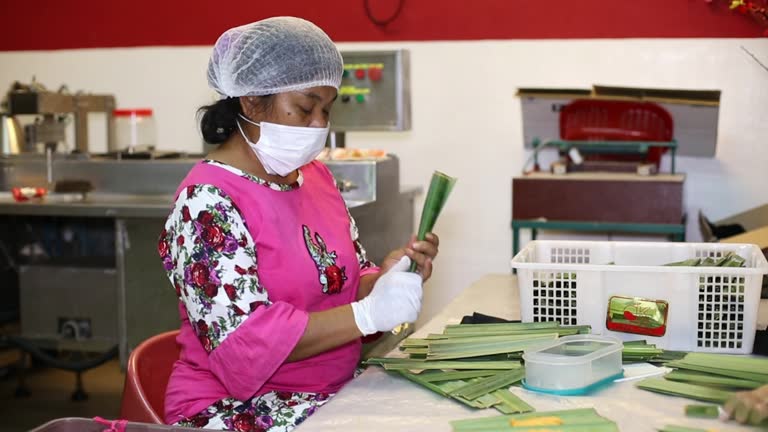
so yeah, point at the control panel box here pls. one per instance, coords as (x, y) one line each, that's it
(375, 92)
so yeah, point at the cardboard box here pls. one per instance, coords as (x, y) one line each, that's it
(694, 112)
(751, 219)
(758, 236)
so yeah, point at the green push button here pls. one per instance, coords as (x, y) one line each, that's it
(360, 98)
(345, 74)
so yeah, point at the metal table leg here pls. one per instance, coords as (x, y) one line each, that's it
(515, 239)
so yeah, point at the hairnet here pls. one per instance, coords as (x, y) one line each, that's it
(271, 56)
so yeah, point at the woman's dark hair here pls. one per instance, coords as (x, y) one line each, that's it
(219, 120)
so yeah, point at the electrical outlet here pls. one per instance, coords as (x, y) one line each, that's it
(75, 328)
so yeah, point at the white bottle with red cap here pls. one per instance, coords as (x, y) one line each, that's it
(134, 130)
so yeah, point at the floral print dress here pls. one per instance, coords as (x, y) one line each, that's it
(273, 411)
(211, 259)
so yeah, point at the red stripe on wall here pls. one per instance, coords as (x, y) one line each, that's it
(56, 24)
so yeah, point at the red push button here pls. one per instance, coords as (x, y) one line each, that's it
(360, 74)
(374, 74)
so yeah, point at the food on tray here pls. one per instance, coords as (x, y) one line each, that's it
(351, 154)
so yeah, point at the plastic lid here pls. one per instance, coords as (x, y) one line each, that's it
(127, 112)
(574, 349)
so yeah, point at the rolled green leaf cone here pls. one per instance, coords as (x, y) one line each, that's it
(440, 188)
(673, 428)
(702, 411)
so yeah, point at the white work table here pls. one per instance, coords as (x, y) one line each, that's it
(381, 401)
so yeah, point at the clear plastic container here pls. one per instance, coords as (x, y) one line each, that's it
(134, 129)
(75, 424)
(573, 365)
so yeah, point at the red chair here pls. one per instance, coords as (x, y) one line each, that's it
(608, 120)
(146, 379)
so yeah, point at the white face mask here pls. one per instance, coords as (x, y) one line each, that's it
(283, 149)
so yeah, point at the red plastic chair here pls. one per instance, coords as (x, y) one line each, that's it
(607, 120)
(146, 379)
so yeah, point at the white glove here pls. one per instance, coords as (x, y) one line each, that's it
(394, 300)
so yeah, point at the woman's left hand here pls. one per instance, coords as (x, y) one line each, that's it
(421, 252)
(749, 406)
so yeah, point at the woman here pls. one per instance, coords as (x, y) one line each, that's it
(275, 289)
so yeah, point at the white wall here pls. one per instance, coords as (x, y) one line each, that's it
(466, 120)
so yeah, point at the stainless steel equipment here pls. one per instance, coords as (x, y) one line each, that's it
(11, 135)
(53, 110)
(74, 303)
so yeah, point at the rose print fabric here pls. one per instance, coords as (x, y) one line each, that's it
(249, 260)
(209, 256)
(273, 412)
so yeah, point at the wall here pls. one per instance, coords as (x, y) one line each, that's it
(98, 24)
(466, 119)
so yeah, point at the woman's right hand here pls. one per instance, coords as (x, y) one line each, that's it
(395, 299)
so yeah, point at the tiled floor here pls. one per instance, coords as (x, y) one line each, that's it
(50, 399)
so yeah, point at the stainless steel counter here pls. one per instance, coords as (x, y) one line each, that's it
(116, 205)
(92, 205)
(137, 177)
(145, 188)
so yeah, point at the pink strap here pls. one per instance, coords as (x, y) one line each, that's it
(114, 425)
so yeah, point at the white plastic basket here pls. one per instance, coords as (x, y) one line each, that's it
(711, 309)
